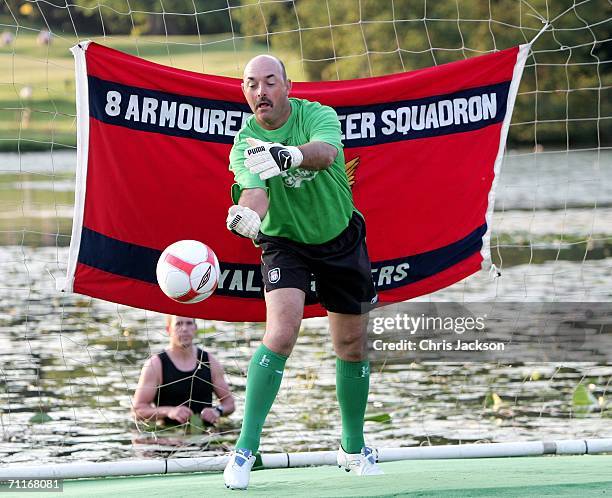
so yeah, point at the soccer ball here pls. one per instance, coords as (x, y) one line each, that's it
(188, 271)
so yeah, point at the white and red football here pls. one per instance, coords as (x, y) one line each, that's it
(188, 271)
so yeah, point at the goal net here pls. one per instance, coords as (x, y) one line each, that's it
(70, 364)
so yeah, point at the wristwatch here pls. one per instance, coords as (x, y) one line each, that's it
(219, 409)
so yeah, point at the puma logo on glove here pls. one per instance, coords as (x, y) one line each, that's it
(268, 159)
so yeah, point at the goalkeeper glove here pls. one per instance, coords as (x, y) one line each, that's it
(270, 159)
(243, 221)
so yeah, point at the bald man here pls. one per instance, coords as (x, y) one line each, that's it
(293, 199)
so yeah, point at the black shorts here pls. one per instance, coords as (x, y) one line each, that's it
(337, 273)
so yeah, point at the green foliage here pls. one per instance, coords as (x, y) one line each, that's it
(109, 17)
(167, 17)
(46, 119)
(565, 88)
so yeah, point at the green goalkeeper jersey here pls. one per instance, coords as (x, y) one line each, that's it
(306, 206)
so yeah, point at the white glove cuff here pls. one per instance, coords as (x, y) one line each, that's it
(296, 156)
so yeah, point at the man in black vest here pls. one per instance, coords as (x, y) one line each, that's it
(179, 382)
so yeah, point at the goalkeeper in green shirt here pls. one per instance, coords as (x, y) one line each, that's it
(292, 197)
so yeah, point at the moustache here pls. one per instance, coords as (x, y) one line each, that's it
(263, 101)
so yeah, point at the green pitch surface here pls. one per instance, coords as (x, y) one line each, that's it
(587, 475)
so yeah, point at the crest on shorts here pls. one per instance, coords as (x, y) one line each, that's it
(274, 275)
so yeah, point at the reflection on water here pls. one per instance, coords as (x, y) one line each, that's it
(78, 359)
(531, 181)
(551, 201)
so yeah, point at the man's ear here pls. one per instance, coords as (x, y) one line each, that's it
(289, 85)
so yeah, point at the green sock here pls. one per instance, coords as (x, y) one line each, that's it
(263, 380)
(352, 386)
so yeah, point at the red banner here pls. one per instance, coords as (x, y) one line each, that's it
(422, 151)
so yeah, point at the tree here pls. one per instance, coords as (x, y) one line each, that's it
(347, 39)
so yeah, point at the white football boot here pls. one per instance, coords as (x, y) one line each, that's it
(238, 470)
(362, 464)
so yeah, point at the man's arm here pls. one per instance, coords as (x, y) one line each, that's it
(249, 194)
(255, 199)
(244, 219)
(222, 391)
(317, 155)
(268, 159)
(142, 403)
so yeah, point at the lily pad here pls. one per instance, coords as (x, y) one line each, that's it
(196, 424)
(383, 418)
(583, 397)
(492, 400)
(40, 418)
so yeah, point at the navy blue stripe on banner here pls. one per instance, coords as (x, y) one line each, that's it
(118, 257)
(138, 262)
(219, 121)
(457, 112)
(395, 273)
(238, 280)
(167, 113)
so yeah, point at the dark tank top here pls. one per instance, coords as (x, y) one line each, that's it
(192, 388)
